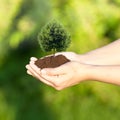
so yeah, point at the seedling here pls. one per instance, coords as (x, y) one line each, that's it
(54, 37)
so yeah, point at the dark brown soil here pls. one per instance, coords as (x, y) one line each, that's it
(51, 61)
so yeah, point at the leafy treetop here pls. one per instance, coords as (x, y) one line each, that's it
(54, 37)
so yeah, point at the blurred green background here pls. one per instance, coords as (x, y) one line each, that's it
(92, 24)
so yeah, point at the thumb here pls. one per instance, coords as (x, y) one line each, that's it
(54, 71)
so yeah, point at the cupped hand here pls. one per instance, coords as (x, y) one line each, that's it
(64, 76)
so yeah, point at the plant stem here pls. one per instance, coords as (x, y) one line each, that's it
(54, 51)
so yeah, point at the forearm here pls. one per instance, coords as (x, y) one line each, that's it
(108, 74)
(107, 55)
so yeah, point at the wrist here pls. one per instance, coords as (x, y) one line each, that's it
(88, 59)
(82, 58)
(84, 70)
(94, 72)
(89, 72)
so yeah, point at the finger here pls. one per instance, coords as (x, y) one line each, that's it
(63, 53)
(54, 81)
(31, 62)
(28, 72)
(31, 73)
(33, 58)
(46, 56)
(57, 81)
(34, 67)
(38, 76)
(59, 53)
(49, 80)
(55, 71)
(27, 66)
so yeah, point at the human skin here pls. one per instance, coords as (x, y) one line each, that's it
(102, 64)
(106, 55)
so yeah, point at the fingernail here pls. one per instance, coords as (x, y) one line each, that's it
(43, 72)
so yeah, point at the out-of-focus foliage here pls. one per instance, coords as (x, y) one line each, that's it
(92, 23)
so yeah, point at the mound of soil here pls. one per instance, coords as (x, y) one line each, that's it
(51, 61)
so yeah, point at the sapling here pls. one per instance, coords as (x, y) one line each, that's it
(54, 37)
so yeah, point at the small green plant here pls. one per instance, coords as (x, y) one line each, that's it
(54, 37)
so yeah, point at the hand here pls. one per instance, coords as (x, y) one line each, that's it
(70, 55)
(61, 77)
(33, 70)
